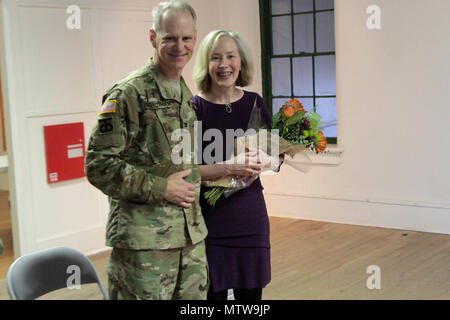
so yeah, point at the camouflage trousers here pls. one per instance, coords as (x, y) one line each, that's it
(180, 274)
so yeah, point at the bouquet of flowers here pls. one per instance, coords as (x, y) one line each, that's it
(299, 127)
(298, 131)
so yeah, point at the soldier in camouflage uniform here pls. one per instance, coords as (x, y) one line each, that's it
(155, 224)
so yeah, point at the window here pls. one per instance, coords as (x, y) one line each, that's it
(298, 57)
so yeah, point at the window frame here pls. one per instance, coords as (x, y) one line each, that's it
(265, 14)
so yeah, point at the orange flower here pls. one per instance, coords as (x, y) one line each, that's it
(321, 146)
(288, 110)
(296, 104)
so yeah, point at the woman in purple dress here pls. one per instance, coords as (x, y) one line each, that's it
(238, 244)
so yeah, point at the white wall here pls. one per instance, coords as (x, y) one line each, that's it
(52, 75)
(393, 124)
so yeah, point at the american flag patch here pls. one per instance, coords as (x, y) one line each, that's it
(108, 106)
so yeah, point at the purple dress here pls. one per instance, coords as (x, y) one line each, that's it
(238, 243)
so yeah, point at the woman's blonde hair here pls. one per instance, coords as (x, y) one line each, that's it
(200, 72)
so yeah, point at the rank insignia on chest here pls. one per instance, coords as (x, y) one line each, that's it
(108, 107)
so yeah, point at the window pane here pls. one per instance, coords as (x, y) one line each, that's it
(326, 108)
(281, 77)
(303, 76)
(325, 31)
(281, 6)
(282, 35)
(308, 103)
(324, 4)
(325, 69)
(303, 5)
(304, 33)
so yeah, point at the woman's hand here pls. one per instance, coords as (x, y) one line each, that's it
(266, 161)
(243, 170)
(245, 164)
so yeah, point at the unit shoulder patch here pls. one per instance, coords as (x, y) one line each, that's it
(105, 125)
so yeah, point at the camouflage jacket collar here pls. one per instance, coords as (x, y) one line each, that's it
(160, 79)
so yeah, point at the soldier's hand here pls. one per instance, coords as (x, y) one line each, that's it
(179, 191)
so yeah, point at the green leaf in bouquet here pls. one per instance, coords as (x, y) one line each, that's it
(296, 118)
(279, 126)
(276, 119)
(314, 118)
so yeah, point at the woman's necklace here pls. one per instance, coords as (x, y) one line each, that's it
(228, 107)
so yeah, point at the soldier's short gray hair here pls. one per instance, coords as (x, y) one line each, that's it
(163, 7)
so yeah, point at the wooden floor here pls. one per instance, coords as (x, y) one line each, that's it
(5, 234)
(318, 260)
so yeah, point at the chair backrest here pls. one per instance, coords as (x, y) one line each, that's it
(38, 273)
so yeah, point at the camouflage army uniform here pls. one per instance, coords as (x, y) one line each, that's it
(158, 247)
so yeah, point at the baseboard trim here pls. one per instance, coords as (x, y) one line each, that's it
(394, 202)
(383, 214)
(99, 251)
